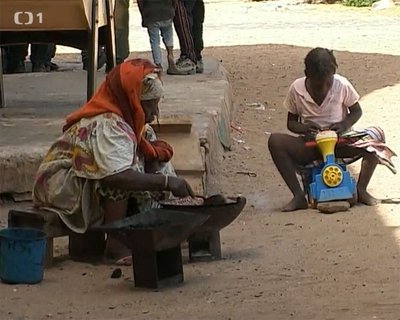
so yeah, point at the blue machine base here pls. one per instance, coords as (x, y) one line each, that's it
(322, 193)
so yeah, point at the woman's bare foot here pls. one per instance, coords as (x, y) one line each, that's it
(116, 253)
(297, 203)
(125, 261)
(120, 260)
(365, 198)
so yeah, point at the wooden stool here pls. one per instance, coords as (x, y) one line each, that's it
(82, 247)
(206, 247)
(157, 269)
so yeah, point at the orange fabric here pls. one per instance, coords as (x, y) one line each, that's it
(120, 94)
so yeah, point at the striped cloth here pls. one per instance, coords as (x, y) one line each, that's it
(373, 140)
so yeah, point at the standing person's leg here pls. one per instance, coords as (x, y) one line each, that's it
(189, 6)
(4, 52)
(121, 15)
(181, 25)
(101, 58)
(16, 58)
(197, 31)
(38, 57)
(50, 54)
(167, 34)
(182, 28)
(121, 21)
(154, 36)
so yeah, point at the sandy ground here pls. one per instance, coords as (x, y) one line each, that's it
(301, 265)
(242, 22)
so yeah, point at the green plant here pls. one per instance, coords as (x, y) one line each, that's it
(358, 3)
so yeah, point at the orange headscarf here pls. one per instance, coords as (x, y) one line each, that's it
(120, 94)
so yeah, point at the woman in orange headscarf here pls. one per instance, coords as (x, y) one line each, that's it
(107, 155)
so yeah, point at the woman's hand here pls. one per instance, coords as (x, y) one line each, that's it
(153, 166)
(179, 187)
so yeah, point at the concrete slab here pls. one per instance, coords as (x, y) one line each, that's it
(173, 124)
(187, 154)
(36, 105)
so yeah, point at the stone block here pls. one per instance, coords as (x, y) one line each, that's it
(18, 169)
(187, 158)
(173, 124)
(333, 207)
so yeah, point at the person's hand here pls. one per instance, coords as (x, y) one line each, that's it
(311, 129)
(338, 127)
(180, 188)
(152, 166)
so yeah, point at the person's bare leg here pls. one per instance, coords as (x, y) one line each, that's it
(368, 166)
(114, 211)
(170, 56)
(171, 60)
(286, 152)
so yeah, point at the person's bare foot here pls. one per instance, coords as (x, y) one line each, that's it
(125, 261)
(353, 201)
(365, 198)
(116, 253)
(118, 260)
(297, 203)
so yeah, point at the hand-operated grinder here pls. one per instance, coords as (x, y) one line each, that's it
(330, 181)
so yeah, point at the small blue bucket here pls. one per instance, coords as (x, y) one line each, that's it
(22, 252)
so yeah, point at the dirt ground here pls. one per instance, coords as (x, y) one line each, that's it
(308, 265)
(301, 265)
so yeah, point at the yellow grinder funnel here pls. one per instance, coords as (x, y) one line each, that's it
(326, 142)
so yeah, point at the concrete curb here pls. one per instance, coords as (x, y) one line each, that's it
(211, 114)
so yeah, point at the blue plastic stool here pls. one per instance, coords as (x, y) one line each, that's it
(22, 252)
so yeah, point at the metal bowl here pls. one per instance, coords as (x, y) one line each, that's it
(157, 229)
(220, 213)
